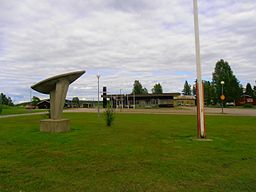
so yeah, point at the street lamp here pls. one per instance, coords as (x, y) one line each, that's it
(127, 101)
(222, 97)
(98, 77)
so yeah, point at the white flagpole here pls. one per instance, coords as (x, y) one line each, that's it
(200, 96)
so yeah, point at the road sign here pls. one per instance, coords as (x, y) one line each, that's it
(222, 97)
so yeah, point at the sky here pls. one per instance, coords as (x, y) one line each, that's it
(146, 40)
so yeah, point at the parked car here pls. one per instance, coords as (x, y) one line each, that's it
(230, 104)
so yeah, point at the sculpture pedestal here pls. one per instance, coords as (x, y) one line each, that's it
(54, 125)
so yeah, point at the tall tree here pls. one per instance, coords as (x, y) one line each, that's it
(5, 100)
(35, 100)
(187, 89)
(138, 89)
(209, 93)
(76, 102)
(157, 89)
(254, 91)
(224, 73)
(194, 90)
(249, 90)
(144, 91)
(1, 103)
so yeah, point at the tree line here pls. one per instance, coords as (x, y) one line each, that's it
(138, 89)
(231, 87)
(5, 100)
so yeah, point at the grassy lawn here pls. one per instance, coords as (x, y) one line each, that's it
(139, 153)
(8, 110)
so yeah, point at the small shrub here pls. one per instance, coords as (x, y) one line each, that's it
(248, 105)
(109, 116)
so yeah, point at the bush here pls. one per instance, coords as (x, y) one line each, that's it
(109, 116)
(1, 109)
(248, 105)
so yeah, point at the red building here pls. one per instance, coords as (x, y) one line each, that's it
(245, 99)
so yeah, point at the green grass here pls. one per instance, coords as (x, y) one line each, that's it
(138, 153)
(8, 110)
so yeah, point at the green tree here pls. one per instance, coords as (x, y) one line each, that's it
(231, 87)
(75, 101)
(209, 92)
(249, 90)
(157, 89)
(35, 100)
(6, 100)
(144, 91)
(213, 94)
(187, 89)
(109, 116)
(254, 91)
(138, 89)
(1, 108)
(194, 90)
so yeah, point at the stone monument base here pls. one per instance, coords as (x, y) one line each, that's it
(54, 125)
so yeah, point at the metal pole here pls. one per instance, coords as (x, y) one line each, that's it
(200, 100)
(98, 76)
(222, 100)
(111, 103)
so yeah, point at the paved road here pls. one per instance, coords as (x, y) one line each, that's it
(23, 114)
(184, 110)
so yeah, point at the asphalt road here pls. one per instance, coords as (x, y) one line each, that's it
(181, 110)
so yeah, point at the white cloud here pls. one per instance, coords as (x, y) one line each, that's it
(152, 41)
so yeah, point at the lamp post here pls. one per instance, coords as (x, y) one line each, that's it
(222, 97)
(98, 77)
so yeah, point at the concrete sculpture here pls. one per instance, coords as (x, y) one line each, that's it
(57, 87)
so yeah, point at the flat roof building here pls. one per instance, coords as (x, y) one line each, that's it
(141, 100)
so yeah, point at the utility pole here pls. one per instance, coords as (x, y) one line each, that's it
(222, 97)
